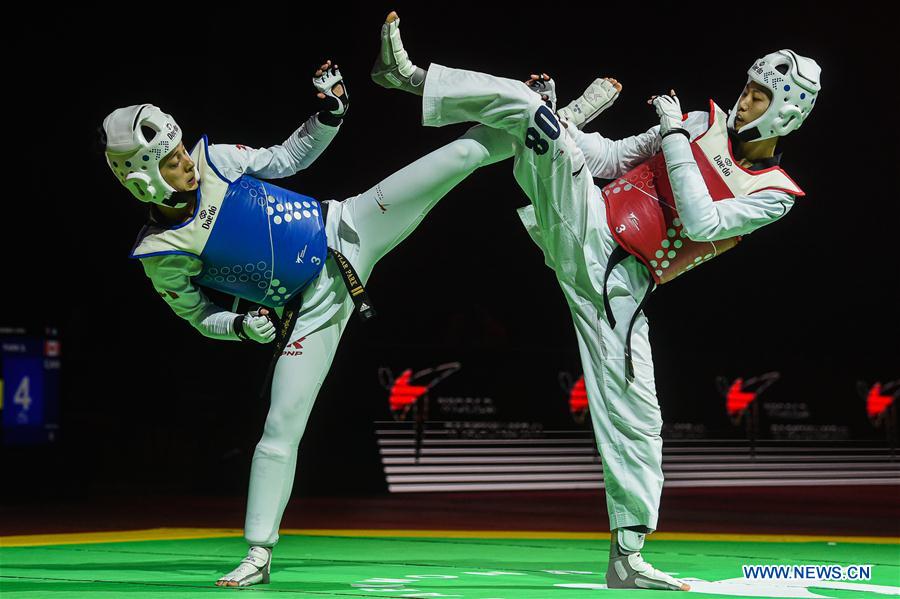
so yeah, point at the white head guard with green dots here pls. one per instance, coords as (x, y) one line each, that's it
(137, 139)
(794, 83)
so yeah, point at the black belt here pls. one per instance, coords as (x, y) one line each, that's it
(358, 293)
(615, 258)
(285, 325)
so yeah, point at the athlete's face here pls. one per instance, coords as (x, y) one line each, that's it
(754, 101)
(177, 169)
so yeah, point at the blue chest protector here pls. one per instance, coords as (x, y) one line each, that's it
(256, 240)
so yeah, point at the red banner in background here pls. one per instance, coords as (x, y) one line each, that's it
(736, 399)
(876, 402)
(741, 393)
(578, 400)
(405, 391)
(576, 396)
(403, 394)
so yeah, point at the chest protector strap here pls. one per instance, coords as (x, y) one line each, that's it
(615, 258)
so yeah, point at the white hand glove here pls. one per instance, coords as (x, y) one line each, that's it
(544, 86)
(599, 96)
(669, 110)
(326, 79)
(258, 327)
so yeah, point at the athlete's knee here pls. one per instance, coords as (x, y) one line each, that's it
(486, 145)
(468, 152)
(640, 421)
(275, 449)
(283, 429)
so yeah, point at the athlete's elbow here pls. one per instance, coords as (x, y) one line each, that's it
(700, 232)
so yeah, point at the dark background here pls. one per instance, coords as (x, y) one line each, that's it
(149, 404)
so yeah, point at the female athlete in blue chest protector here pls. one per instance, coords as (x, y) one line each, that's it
(217, 222)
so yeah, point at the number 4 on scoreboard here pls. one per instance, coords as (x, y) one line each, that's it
(23, 394)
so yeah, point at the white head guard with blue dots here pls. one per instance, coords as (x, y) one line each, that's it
(794, 83)
(135, 158)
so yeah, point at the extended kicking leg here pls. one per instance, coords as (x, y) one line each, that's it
(388, 212)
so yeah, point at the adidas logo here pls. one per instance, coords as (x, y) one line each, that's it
(364, 307)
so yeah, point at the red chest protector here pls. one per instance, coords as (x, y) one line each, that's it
(640, 205)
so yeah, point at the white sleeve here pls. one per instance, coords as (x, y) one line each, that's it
(608, 158)
(706, 220)
(297, 152)
(171, 277)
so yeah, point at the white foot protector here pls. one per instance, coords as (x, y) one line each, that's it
(253, 569)
(393, 68)
(630, 571)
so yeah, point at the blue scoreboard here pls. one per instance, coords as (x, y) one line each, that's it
(29, 381)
